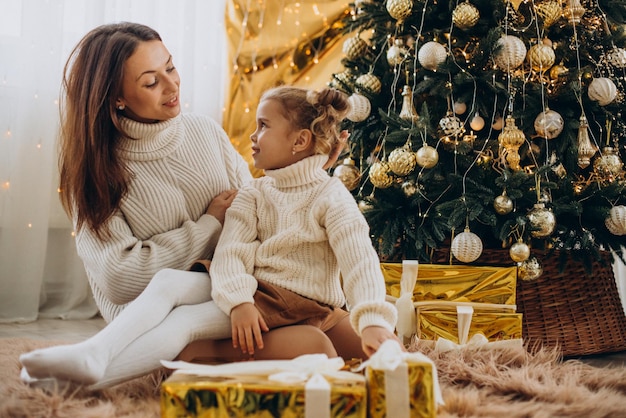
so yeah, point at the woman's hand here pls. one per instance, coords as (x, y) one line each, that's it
(337, 149)
(372, 337)
(247, 324)
(220, 203)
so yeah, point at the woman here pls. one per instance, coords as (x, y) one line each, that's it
(147, 188)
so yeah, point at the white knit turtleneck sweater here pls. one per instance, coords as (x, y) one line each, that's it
(298, 228)
(178, 167)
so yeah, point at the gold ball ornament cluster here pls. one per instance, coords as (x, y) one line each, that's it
(399, 9)
(550, 12)
(616, 221)
(542, 221)
(348, 173)
(369, 82)
(402, 161)
(541, 57)
(467, 246)
(465, 15)
(529, 270)
(354, 47)
(379, 175)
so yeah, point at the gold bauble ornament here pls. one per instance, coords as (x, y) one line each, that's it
(550, 11)
(354, 47)
(360, 108)
(343, 81)
(427, 156)
(511, 52)
(616, 221)
(549, 124)
(369, 82)
(477, 123)
(379, 175)
(466, 246)
(541, 57)
(503, 204)
(558, 71)
(529, 269)
(542, 221)
(586, 149)
(573, 11)
(348, 173)
(465, 15)
(431, 54)
(609, 164)
(402, 161)
(511, 138)
(399, 9)
(602, 90)
(520, 251)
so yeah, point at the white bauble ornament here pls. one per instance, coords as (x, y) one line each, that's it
(431, 54)
(466, 246)
(511, 52)
(549, 124)
(602, 90)
(427, 156)
(360, 107)
(616, 221)
(451, 124)
(369, 82)
(617, 57)
(396, 53)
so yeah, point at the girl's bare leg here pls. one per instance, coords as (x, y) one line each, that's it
(346, 341)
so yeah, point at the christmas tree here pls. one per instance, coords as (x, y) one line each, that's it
(487, 124)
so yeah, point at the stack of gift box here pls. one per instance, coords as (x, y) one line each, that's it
(454, 303)
(435, 303)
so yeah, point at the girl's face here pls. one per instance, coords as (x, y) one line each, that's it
(150, 84)
(274, 139)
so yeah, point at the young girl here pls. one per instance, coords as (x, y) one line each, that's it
(295, 230)
(147, 188)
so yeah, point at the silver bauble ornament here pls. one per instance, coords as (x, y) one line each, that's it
(379, 175)
(348, 173)
(503, 204)
(542, 221)
(602, 90)
(549, 124)
(401, 161)
(431, 54)
(396, 53)
(519, 251)
(427, 156)
(466, 246)
(529, 269)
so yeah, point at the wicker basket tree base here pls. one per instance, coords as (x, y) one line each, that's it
(578, 312)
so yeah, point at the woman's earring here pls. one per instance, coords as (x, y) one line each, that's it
(121, 107)
(293, 152)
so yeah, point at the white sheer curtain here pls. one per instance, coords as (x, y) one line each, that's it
(40, 274)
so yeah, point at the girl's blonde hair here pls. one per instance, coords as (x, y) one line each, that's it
(319, 111)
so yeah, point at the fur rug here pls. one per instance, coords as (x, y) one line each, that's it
(475, 383)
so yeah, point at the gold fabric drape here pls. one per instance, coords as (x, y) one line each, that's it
(277, 42)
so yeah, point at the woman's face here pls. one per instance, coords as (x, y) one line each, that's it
(150, 84)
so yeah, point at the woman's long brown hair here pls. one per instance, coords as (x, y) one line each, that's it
(93, 178)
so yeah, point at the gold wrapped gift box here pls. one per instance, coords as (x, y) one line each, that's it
(421, 391)
(456, 283)
(254, 396)
(442, 320)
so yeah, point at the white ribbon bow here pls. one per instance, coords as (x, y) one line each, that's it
(393, 361)
(404, 304)
(309, 368)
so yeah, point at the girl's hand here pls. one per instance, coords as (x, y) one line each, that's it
(247, 324)
(372, 337)
(220, 203)
(337, 149)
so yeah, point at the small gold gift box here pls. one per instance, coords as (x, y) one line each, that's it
(262, 395)
(458, 322)
(456, 283)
